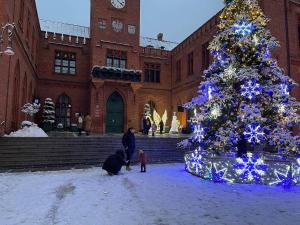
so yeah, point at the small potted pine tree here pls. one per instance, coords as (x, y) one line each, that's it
(48, 115)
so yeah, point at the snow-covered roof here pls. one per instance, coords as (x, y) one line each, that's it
(155, 43)
(65, 28)
(82, 31)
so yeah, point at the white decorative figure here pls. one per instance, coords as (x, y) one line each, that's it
(157, 118)
(174, 126)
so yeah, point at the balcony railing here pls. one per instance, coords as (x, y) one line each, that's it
(112, 73)
(82, 31)
(64, 28)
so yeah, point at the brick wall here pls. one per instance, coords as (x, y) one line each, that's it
(19, 73)
(186, 88)
(30, 72)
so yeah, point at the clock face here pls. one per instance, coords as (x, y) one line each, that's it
(118, 4)
(117, 25)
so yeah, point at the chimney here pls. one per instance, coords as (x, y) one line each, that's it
(160, 36)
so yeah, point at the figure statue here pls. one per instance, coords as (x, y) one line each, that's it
(174, 126)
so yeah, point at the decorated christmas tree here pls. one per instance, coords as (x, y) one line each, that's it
(48, 114)
(244, 103)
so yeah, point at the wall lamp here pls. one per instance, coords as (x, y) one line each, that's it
(7, 30)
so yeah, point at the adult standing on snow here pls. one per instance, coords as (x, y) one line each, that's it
(2, 124)
(87, 124)
(144, 125)
(161, 127)
(148, 126)
(80, 124)
(128, 142)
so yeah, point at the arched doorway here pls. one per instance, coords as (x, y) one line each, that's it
(63, 111)
(115, 114)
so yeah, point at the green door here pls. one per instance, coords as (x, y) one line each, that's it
(115, 114)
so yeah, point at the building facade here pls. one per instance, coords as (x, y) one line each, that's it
(109, 71)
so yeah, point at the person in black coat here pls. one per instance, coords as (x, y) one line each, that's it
(148, 126)
(144, 125)
(128, 142)
(114, 163)
(161, 127)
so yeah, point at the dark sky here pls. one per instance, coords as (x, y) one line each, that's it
(175, 18)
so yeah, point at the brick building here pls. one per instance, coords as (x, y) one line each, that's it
(108, 70)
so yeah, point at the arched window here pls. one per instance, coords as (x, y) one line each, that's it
(30, 91)
(63, 111)
(15, 98)
(24, 90)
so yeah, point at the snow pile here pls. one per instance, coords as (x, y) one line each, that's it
(28, 131)
(26, 124)
(165, 194)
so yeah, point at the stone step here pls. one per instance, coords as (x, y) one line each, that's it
(55, 152)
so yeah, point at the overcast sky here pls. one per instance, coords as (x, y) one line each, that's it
(175, 18)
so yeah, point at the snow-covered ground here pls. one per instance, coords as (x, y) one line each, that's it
(165, 195)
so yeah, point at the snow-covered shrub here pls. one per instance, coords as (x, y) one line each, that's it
(49, 111)
(30, 108)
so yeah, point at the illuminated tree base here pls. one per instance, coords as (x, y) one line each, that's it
(247, 170)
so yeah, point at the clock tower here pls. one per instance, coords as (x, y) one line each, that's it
(115, 30)
(115, 64)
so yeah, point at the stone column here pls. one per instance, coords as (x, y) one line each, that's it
(97, 106)
(134, 118)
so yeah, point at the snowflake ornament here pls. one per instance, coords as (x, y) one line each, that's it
(285, 89)
(198, 133)
(220, 176)
(222, 58)
(282, 108)
(229, 73)
(250, 168)
(255, 40)
(298, 169)
(251, 89)
(287, 180)
(208, 91)
(197, 160)
(215, 112)
(267, 54)
(254, 133)
(243, 28)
